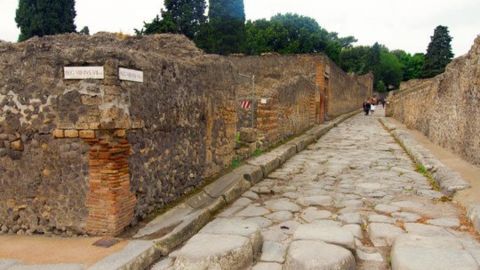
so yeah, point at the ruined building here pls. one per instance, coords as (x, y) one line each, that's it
(97, 132)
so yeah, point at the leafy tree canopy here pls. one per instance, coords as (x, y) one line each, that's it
(179, 17)
(45, 17)
(439, 52)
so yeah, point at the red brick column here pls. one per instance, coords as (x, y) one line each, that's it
(267, 121)
(109, 200)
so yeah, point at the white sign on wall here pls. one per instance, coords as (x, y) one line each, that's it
(126, 74)
(80, 73)
(263, 101)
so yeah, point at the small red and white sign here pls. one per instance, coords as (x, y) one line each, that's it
(245, 104)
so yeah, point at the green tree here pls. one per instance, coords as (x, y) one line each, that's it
(85, 31)
(355, 59)
(292, 34)
(179, 17)
(389, 70)
(439, 52)
(411, 64)
(225, 31)
(45, 17)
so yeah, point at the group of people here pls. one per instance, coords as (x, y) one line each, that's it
(370, 104)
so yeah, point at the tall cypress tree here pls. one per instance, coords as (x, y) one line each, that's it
(439, 52)
(179, 17)
(226, 27)
(45, 17)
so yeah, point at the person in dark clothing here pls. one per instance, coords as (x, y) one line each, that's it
(383, 102)
(366, 107)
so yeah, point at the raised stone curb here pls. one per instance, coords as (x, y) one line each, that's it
(137, 254)
(183, 221)
(448, 180)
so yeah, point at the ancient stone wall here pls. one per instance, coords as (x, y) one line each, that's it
(346, 92)
(81, 156)
(445, 108)
(303, 90)
(96, 154)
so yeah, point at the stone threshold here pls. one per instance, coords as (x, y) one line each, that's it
(175, 226)
(449, 180)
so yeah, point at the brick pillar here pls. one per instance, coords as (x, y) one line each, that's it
(267, 121)
(109, 200)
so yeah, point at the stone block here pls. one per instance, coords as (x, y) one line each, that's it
(304, 255)
(250, 173)
(222, 184)
(248, 135)
(16, 145)
(86, 134)
(58, 133)
(268, 162)
(71, 133)
(138, 254)
(190, 225)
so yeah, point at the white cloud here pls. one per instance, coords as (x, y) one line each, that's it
(406, 24)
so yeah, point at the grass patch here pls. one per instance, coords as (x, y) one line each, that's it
(235, 163)
(257, 152)
(420, 168)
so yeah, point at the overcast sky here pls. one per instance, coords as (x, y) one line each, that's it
(398, 24)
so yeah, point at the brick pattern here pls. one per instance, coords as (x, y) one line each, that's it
(268, 121)
(110, 201)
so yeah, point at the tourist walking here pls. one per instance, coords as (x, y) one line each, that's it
(366, 107)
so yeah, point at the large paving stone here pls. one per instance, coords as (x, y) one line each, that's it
(350, 218)
(329, 234)
(425, 230)
(253, 211)
(280, 216)
(320, 200)
(273, 252)
(318, 255)
(215, 251)
(445, 222)
(311, 213)
(282, 205)
(382, 234)
(415, 252)
(267, 266)
(236, 227)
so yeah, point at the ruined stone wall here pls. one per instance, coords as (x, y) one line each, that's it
(81, 156)
(95, 155)
(346, 92)
(445, 108)
(287, 87)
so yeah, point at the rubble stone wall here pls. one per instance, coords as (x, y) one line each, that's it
(346, 92)
(80, 156)
(445, 108)
(97, 155)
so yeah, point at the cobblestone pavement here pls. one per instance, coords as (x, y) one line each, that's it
(353, 200)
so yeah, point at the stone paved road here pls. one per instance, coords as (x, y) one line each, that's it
(353, 200)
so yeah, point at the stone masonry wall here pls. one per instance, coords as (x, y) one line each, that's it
(93, 156)
(346, 92)
(305, 90)
(445, 108)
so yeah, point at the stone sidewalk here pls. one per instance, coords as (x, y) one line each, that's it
(353, 200)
